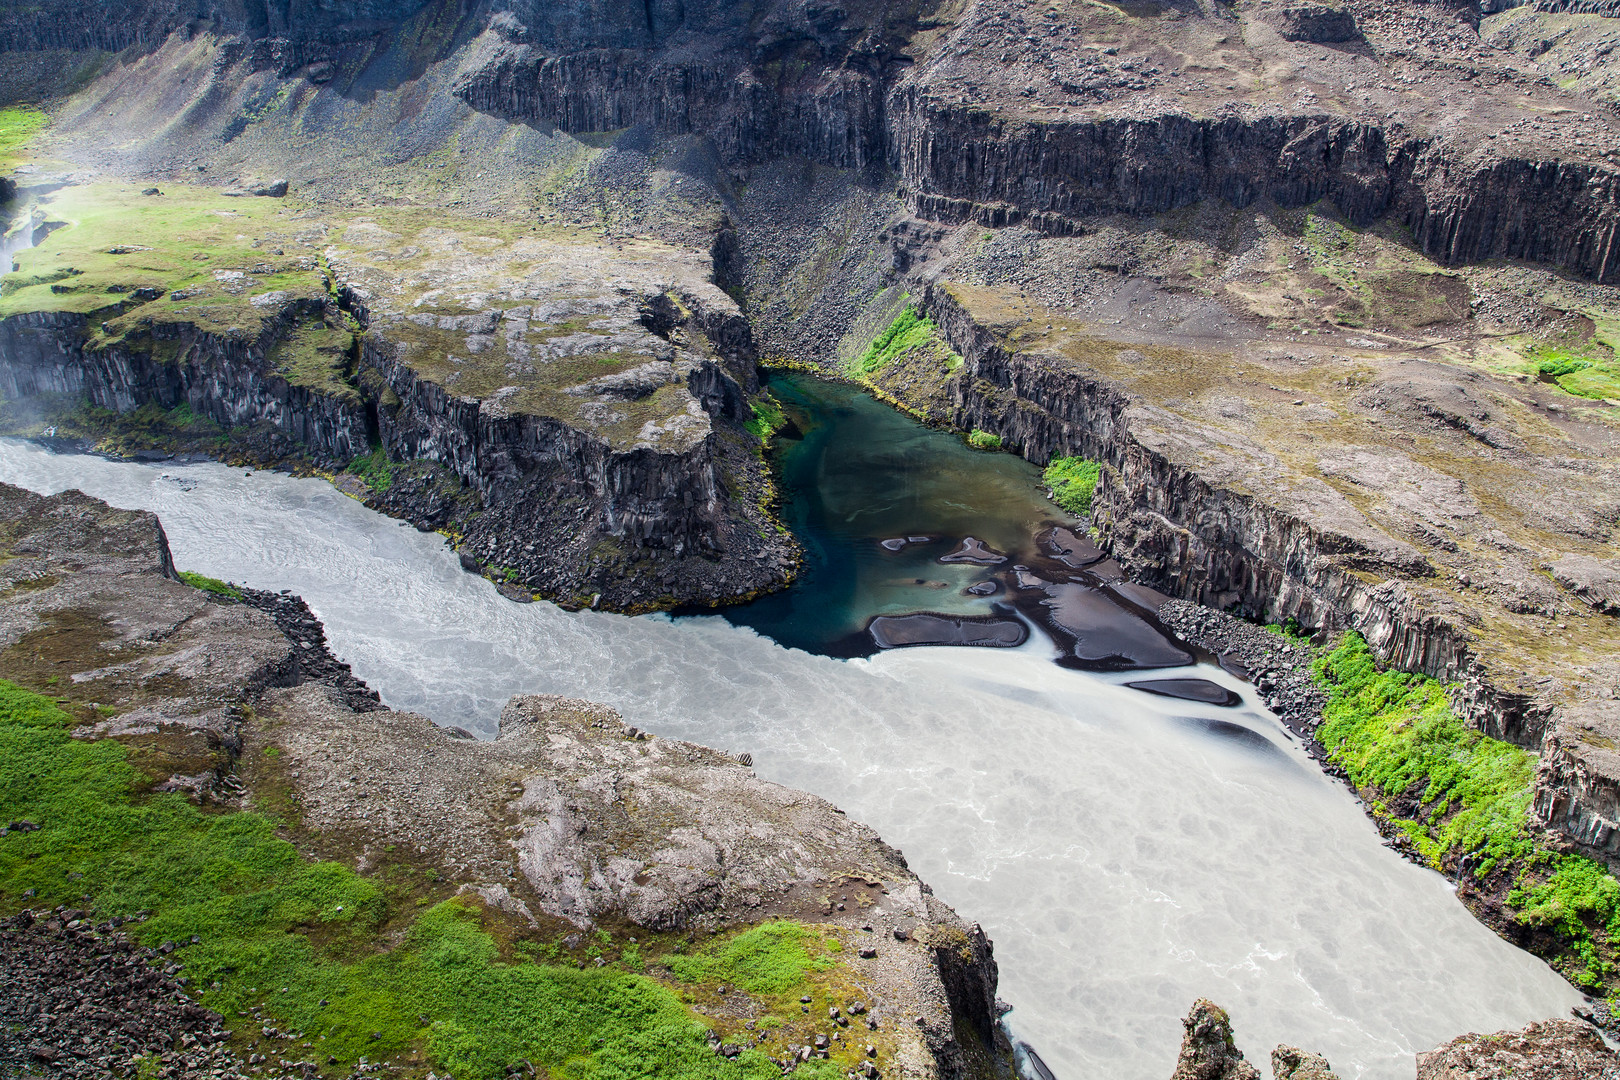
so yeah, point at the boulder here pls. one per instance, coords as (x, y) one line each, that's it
(1207, 1050)
(1549, 1050)
(1291, 1063)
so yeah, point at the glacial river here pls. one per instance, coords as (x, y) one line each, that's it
(1124, 859)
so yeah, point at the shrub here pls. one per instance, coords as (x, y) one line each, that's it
(909, 330)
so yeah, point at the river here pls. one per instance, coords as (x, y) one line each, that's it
(1124, 856)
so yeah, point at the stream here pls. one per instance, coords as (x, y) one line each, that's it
(1126, 852)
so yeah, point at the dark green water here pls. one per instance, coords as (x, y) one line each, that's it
(855, 472)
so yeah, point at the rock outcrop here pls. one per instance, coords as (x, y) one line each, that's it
(1291, 1063)
(570, 820)
(583, 440)
(1209, 1052)
(223, 377)
(1550, 1050)
(1207, 1049)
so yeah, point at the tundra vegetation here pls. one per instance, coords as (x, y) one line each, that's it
(386, 964)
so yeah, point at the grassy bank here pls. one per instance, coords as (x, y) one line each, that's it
(1463, 801)
(389, 964)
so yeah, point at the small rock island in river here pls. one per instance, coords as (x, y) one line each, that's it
(1260, 357)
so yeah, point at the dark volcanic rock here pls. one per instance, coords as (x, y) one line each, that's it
(1103, 633)
(1279, 668)
(81, 1002)
(899, 631)
(1201, 690)
(1207, 1050)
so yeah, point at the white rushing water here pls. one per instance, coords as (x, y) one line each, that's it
(1123, 860)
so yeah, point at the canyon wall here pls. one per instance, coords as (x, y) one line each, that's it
(222, 378)
(532, 499)
(1201, 541)
(651, 498)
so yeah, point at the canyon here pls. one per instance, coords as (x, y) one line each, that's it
(1327, 290)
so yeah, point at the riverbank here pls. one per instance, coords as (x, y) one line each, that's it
(348, 914)
(1442, 794)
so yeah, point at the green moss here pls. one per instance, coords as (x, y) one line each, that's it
(376, 470)
(346, 960)
(769, 959)
(1073, 481)
(768, 418)
(909, 330)
(983, 440)
(211, 585)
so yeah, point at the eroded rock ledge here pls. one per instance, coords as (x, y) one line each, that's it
(569, 821)
(581, 438)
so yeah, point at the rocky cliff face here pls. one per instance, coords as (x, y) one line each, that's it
(965, 164)
(1207, 514)
(571, 412)
(223, 378)
(846, 89)
(648, 497)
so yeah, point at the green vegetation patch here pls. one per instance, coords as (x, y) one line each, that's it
(211, 585)
(910, 330)
(1581, 372)
(376, 470)
(347, 961)
(1458, 794)
(18, 126)
(1073, 481)
(983, 440)
(1397, 733)
(769, 959)
(768, 418)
